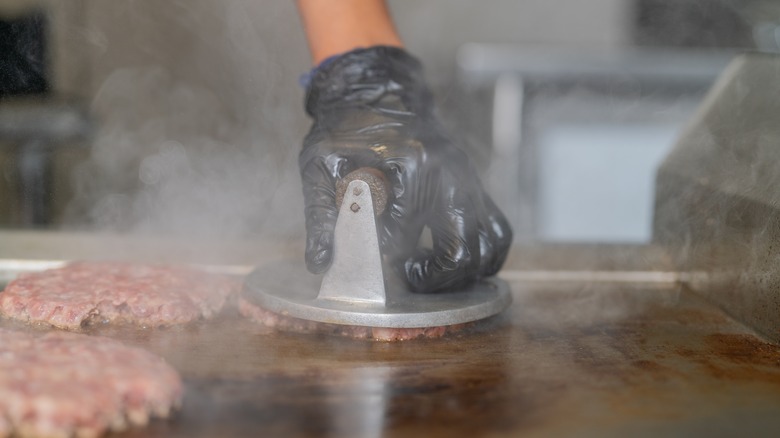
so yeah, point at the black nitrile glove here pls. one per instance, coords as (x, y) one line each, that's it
(371, 108)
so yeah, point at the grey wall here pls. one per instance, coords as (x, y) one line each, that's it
(434, 29)
(200, 112)
(174, 33)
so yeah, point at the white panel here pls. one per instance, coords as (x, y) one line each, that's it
(596, 180)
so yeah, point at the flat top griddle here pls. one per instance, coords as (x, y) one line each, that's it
(567, 359)
(598, 341)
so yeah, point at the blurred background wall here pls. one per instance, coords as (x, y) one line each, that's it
(197, 113)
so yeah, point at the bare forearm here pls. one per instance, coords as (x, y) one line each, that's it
(338, 26)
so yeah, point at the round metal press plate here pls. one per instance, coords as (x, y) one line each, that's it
(286, 288)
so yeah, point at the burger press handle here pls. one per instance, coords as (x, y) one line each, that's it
(355, 274)
(354, 290)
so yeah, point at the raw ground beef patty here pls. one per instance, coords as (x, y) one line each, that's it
(66, 384)
(287, 323)
(84, 293)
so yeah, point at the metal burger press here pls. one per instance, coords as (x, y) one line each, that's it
(357, 290)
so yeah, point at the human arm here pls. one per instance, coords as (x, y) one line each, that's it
(337, 26)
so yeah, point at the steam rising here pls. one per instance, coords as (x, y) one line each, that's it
(170, 166)
(198, 139)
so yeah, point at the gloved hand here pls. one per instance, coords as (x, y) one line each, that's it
(371, 108)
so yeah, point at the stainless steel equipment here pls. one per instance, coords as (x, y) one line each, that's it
(717, 204)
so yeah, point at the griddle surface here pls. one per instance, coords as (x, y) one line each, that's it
(565, 360)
